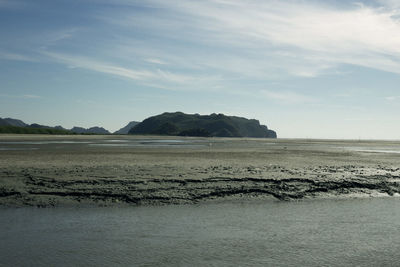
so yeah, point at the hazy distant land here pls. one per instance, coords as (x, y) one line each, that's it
(9, 125)
(173, 124)
(136, 170)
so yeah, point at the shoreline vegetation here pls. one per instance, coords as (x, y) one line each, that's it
(45, 171)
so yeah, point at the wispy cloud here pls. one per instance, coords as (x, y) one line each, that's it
(53, 37)
(153, 77)
(288, 97)
(95, 65)
(15, 57)
(390, 3)
(23, 96)
(175, 44)
(155, 61)
(31, 96)
(304, 38)
(392, 98)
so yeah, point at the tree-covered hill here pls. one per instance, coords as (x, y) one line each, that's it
(7, 129)
(218, 125)
(14, 126)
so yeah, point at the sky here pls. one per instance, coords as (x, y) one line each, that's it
(305, 68)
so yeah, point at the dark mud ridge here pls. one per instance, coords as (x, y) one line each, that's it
(44, 191)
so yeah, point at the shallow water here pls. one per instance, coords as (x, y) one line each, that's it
(127, 143)
(42, 142)
(133, 142)
(361, 232)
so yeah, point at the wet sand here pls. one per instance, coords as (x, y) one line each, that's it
(137, 170)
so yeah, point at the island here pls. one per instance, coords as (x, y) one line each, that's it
(214, 125)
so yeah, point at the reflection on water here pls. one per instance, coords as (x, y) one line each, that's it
(361, 232)
(146, 145)
(321, 145)
(43, 142)
(190, 143)
(17, 148)
(375, 149)
(150, 143)
(153, 140)
(378, 151)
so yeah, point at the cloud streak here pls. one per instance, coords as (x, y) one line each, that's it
(154, 77)
(15, 57)
(288, 97)
(305, 38)
(24, 96)
(392, 98)
(198, 44)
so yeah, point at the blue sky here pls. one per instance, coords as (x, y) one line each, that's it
(307, 69)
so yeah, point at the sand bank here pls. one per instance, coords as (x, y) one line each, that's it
(127, 170)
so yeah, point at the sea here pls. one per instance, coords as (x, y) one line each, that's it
(319, 232)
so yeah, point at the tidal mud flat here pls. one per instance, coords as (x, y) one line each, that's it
(138, 170)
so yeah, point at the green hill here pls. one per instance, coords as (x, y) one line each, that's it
(217, 125)
(13, 126)
(31, 130)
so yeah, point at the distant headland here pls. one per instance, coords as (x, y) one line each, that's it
(14, 126)
(214, 125)
(173, 124)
